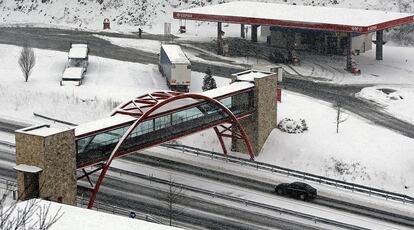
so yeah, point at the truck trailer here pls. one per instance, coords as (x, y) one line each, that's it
(175, 67)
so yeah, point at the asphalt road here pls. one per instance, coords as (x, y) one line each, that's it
(190, 210)
(260, 186)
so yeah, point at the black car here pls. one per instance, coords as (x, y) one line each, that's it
(297, 190)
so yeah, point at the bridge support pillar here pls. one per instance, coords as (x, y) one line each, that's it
(259, 126)
(46, 164)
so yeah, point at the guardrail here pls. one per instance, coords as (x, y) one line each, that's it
(281, 211)
(9, 186)
(294, 173)
(8, 144)
(54, 119)
(100, 206)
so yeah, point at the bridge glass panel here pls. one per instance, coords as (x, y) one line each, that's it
(157, 130)
(96, 147)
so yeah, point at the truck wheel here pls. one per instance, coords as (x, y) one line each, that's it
(280, 191)
(302, 197)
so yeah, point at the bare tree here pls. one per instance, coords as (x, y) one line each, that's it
(27, 61)
(174, 196)
(339, 118)
(32, 215)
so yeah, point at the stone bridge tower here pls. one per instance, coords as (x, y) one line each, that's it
(46, 164)
(264, 120)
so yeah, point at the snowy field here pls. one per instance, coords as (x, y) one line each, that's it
(107, 83)
(397, 100)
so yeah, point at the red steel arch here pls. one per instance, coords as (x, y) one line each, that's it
(153, 102)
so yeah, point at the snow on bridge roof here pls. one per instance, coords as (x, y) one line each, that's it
(310, 17)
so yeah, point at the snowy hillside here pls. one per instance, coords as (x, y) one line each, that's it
(127, 15)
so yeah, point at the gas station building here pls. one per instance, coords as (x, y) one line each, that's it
(324, 30)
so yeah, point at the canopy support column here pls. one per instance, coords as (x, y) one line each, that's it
(219, 39)
(242, 32)
(348, 53)
(379, 44)
(254, 33)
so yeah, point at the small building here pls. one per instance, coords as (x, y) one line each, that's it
(316, 41)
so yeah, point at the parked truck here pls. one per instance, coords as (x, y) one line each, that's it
(77, 64)
(175, 67)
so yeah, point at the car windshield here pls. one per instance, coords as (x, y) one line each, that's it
(73, 62)
(309, 187)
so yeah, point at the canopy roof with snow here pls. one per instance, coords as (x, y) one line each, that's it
(294, 16)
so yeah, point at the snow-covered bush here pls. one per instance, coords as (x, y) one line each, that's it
(292, 126)
(347, 171)
(208, 81)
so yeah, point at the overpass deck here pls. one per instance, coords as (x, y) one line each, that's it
(163, 116)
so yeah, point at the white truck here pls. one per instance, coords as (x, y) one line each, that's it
(175, 67)
(77, 65)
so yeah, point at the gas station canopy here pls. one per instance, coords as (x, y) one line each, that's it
(294, 16)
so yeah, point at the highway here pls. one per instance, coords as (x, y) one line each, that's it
(128, 190)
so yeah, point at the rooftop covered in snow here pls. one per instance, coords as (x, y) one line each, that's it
(78, 51)
(250, 75)
(42, 130)
(295, 16)
(175, 54)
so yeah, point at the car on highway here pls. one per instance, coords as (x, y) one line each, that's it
(297, 190)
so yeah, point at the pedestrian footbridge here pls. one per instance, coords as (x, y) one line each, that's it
(57, 158)
(158, 117)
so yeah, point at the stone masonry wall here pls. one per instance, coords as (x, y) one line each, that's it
(29, 151)
(260, 125)
(56, 155)
(60, 162)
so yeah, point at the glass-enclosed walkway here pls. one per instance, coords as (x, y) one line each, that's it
(170, 125)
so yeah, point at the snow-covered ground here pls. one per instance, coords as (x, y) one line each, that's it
(107, 83)
(80, 218)
(396, 99)
(396, 68)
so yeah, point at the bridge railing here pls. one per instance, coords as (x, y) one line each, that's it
(295, 173)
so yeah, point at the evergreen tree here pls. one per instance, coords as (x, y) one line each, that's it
(208, 81)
